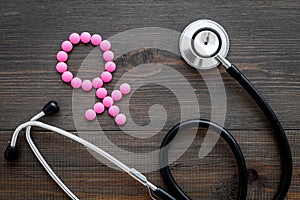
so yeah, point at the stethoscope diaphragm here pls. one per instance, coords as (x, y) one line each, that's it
(201, 42)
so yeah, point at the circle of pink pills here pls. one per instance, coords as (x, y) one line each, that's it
(96, 40)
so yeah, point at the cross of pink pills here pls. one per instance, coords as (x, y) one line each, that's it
(97, 83)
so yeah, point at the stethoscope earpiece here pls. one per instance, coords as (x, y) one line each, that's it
(11, 153)
(51, 108)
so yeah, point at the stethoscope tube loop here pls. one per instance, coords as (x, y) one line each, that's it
(283, 145)
(164, 150)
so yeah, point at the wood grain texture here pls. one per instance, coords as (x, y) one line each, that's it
(265, 45)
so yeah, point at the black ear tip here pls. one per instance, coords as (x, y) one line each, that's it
(11, 153)
(50, 108)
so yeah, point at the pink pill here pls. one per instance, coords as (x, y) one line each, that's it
(125, 88)
(76, 82)
(110, 66)
(101, 93)
(67, 76)
(108, 101)
(108, 56)
(99, 108)
(106, 77)
(90, 114)
(116, 95)
(120, 119)
(62, 56)
(61, 67)
(87, 85)
(96, 39)
(67, 46)
(97, 83)
(113, 111)
(85, 37)
(105, 45)
(74, 38)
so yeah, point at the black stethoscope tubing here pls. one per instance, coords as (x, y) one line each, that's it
(282, 143)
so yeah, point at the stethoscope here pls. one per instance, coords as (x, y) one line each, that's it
(204, 44)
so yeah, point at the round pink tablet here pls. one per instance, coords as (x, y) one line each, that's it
(76, 82)
(62, 56)
(116, 95)
(106, 77)
(87, 85)
(61, 67)
(120, 119)
(105, 45)
(67, 76)
(96, 39)
(101, 93)
(108, 56)
(74, 38)
(67, 46)
(125, 88)
(85, 37)
(110, 66)
(99, 108)
(90, 114)
(108, 101)
(97, 83)
(113, 111)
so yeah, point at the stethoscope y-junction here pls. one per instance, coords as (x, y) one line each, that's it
(204, 44)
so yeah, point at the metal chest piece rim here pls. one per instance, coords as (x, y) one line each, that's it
(201, 41)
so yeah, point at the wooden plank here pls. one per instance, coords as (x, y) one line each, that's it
(211, 177)
(16, 92)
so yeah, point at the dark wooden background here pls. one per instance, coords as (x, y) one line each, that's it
(265, 44)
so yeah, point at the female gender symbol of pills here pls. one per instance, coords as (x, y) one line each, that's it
(97, 83)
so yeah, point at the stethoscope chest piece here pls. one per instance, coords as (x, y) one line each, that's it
(201, 41)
